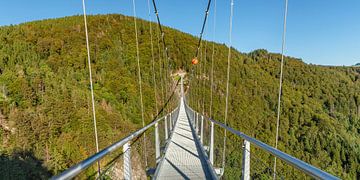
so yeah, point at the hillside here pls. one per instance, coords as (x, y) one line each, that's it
(45, 112)
(320, 116)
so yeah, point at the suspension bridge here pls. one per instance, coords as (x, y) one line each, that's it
(185, 154)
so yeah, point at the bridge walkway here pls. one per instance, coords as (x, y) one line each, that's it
(183, 157)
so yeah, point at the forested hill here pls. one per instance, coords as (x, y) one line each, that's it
(45, 113)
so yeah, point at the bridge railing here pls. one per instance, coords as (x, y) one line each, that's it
(304, 167)
(169, 122)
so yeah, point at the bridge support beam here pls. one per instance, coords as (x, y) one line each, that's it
(166, 128)
(157, 143)
(127, 161)
(246, 161)
(212, 144)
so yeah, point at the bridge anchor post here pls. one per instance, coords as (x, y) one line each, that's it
(246, 161)
(127, 161)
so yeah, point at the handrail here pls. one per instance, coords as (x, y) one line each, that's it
(78, 168)
(298, 164)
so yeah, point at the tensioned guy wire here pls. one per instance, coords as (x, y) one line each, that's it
(91, 85)
(227, 81)
(139, 79)
(280, 82)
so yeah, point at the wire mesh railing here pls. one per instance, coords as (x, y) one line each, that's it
(246, 157)
(127, 144)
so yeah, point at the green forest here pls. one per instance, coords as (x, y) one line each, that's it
(45, 104)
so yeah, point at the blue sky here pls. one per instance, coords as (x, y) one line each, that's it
(323, 32)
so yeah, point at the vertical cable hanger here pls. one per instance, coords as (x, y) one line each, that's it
(160, 69)
(153, 59)
(212, 62)
(166, 50)
(204, 84)
(161, 30)
(91, 85)
(212, 82)
(227, 81)
(199, 79)
(158, 38)
(139, 79)
(280, 83)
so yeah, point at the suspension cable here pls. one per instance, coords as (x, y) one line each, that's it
(227, 81)
(139, 79)
(153, 59)
(280, 82)
(212, 62)
(202, 29)
(161, 30)
(200, 39)
(91, 85)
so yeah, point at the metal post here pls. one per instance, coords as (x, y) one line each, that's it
(182, 86)
(166, 129)
(212, 144)
(171, 122)
(193, 121)
(127, 161)
(157, 143)
(202, 130)
(246, 161)
(197, 123)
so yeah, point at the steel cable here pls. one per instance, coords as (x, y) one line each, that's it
(139, 78)
(212, 62)
(91, 85)
(280, 83)
(153, 58)
(227, 81)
